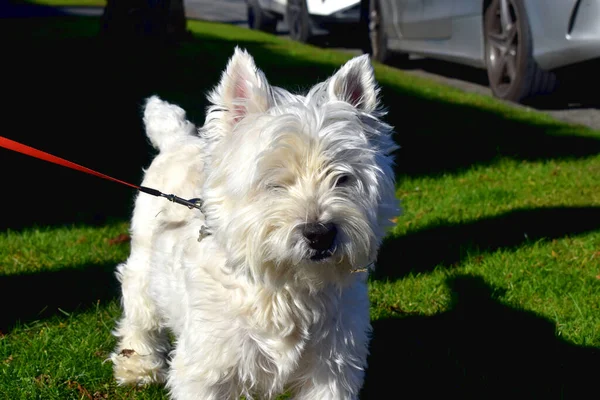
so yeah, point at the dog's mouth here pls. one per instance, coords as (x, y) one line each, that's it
(321, 255)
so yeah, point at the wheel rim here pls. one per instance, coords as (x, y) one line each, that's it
(503, 45)
(295, 17)
(374, 33)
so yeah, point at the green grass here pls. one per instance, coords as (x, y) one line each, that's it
(487, 287)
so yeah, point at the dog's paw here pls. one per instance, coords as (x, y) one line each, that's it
(131, 368)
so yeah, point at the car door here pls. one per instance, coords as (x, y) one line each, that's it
(436, 22)
(408, 17)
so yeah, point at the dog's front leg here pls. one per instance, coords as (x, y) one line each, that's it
(198, 389)
(332, 383)
(196, 373)
(334, 374)
(335, 366)
(139, 357)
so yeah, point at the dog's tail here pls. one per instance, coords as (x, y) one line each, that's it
(166, 124)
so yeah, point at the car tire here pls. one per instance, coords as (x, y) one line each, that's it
(298, 20)
(513, 73)
(260, 20)
(377, 39)
(363, 28)
(377, 47)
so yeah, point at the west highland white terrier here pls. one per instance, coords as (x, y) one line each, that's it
(265, 288)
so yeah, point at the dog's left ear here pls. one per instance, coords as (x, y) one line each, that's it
(355, 83)
(243, 89)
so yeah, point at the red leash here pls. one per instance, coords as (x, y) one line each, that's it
(30, 151)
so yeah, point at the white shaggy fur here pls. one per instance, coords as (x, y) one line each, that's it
(256, 307)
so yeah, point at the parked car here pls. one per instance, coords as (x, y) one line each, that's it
(304, 17)
(520, 42)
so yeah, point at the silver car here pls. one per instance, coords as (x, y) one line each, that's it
(519, 42)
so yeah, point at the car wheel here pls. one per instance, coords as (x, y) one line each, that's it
(260, 20)
(377, 37)
(363, 28)
(513, 73)
(298, 20)
(378, 40)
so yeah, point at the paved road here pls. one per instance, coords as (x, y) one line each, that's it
(574, 108)
(228, 11)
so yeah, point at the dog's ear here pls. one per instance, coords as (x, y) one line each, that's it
(355, 83)
(243, 89)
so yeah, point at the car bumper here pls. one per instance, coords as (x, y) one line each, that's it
(350, 15)
(568, 34)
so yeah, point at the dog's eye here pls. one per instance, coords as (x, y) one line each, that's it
(275, 186)
(342, 180)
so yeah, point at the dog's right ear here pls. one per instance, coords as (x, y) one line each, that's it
(355, 83)
(243, 90)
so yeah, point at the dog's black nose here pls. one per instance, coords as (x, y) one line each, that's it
(319, 236)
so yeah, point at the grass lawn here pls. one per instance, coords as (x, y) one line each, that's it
(487, 287)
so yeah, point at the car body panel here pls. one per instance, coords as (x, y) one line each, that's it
(463, 47)
(558, 41)
(273, 6)
(453, 33)
(332, 9)
(329, 7)
(437, 18)
(410, 19)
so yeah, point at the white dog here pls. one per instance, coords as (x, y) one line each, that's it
(265, 289)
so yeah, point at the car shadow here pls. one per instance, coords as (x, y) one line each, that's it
(577, 88)
(440, 137)
(447, 245)
(480, 348)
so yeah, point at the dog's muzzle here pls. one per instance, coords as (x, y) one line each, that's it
(320, 238)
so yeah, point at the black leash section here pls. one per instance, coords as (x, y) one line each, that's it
(191, 203)
(30, 151)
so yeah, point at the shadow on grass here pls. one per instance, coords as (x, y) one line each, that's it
(448, 245)
(30, 297)
(22, 9)
(479, 349)
(439, 137)
(73, 95)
